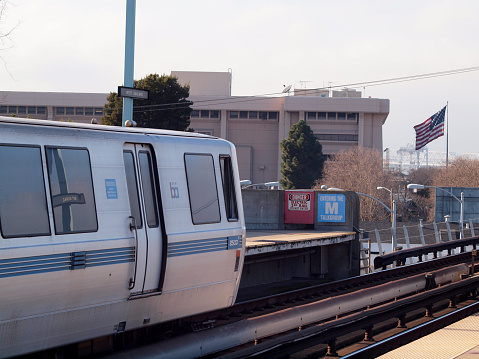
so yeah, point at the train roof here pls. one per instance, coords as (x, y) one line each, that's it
(96, 127)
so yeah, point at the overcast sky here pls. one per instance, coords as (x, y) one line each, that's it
(78, 46)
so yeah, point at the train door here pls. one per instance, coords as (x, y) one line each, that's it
(142, 182)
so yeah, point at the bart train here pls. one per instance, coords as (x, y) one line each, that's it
(107, 229)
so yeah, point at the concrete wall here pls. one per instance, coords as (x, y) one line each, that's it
(263, 209)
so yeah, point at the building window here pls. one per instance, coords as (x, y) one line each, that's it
(12, 109)
(263, 115)
(88, 111)
(253, 115)
(69, 111)
(79, 111)
(3, 109)
(22, 109)
(341, 116)
(337, 137)
(41, 110)
(311, 115)
(205, 114)
(214, 114)
(98, 111)
(332, 116)
(233, 114)
(71, 189)
(23, 204)
(273, 115)
(228, 188)
(352, 116)
(60, 110)
(321, 115)
(243, 114)
(32, 110)
(202, 189)
(195, 113)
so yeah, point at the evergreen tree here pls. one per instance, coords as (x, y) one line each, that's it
(167, 106)
(302, 158)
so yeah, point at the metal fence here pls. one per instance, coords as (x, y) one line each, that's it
(378, 241)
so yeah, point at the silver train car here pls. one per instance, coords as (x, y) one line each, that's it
(108, 229)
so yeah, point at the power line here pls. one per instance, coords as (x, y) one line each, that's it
(265, 97)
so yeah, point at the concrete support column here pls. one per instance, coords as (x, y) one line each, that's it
(284, 126)
(301, 116)
(361, 129)
(50, 113)
(223, 125)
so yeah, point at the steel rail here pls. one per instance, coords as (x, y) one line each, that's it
(328, 332)
(411, 334)
(314, 293)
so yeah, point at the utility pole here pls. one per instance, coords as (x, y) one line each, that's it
(129, 58)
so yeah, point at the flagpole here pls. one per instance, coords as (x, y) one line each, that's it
(447, 135)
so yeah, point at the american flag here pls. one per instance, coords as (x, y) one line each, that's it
(430, 129)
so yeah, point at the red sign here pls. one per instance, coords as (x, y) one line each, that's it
(299, 207)
(299, 201)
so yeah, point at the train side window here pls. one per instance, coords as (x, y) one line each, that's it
(71, 189)
(228, 188)
(133, 195)
(202, 189)
(148, 184)
(23, 204)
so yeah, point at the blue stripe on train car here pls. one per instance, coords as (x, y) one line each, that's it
(13, 267)
(204, 246)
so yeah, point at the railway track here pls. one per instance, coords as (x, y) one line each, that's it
(361, 324)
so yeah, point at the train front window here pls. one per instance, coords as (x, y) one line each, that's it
(23, 204)
(71, 190)
(202, 190)
(228, 188)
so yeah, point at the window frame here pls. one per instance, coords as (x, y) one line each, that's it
(189, 190)
(135, 186)
(46, 147)
(44, 193)
(232, 188)
(154, 188)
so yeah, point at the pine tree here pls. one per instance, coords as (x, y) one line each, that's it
(166, 108)
(302, 158)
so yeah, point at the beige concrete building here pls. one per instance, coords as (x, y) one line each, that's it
(256, 125)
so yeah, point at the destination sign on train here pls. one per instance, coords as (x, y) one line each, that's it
(133, 93)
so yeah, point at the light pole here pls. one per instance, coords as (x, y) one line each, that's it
(391, 198)
(461, 201)
(393, 216)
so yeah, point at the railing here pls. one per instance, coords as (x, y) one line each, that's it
(421, 234)
(399, 257)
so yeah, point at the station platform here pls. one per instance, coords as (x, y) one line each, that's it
(266, 241)
(459, 340)
(276, 257)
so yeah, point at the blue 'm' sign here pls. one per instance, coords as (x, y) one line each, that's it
(331, 207)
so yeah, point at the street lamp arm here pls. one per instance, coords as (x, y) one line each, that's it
(420, 186)
(457, 199)
(377, 200)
